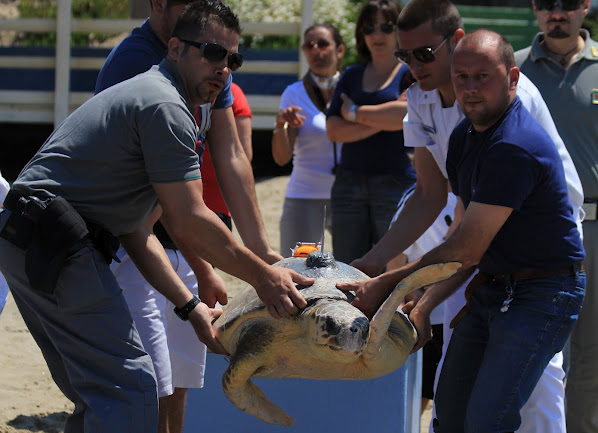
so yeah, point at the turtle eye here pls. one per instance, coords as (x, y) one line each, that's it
(332, 326)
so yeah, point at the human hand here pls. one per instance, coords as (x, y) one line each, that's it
(369, 295)
(211, 288)
(201, 318)
(369, 266)
(421, 321)
(276, 288)
(411, 301)
(290, 115)
(347, 104)
(270, 256)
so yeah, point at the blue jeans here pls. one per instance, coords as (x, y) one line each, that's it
(362, 208)
(495, 359)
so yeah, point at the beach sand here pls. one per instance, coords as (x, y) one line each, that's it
(30, 402)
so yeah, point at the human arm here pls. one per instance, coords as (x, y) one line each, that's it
(288, 120)
(242, 114)
(467, 245)
(149, 256)
(198, 232)
(431, 297)
(235, 178)
(419, 212)
(243, 124)
(386, 117)
(338, 129)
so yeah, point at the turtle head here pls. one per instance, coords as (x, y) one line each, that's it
(340, 332)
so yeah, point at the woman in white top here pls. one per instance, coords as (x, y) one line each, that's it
(300, 134)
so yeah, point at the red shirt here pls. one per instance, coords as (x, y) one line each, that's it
(211, 192)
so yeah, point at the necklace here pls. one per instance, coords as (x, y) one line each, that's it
(562, 59)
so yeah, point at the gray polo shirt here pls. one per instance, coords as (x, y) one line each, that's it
(105, 156)
(572, 98)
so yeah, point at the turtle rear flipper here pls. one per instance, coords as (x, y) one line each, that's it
(248, 397)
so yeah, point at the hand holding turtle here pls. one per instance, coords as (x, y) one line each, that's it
(369, 295)
(201, 318)
(270, 256)
(278, 292)
(421, 321)
(211, 288)
(369, 267)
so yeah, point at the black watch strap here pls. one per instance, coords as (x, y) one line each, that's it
(184, 311)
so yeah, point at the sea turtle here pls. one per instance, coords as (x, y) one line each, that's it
(328, 339)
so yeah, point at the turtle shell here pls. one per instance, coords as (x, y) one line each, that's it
(323, 268)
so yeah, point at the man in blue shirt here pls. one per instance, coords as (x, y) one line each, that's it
(518, 230)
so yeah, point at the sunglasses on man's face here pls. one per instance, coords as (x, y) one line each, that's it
(387, 28)
(216, 53)
(320, 43)
(550, 5)
(422, 54)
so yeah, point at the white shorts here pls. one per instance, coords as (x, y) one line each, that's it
(179, 357)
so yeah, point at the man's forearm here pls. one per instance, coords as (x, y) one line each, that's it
(149, 256)
(418, 214)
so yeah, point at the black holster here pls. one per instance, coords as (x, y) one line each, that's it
(50, 231)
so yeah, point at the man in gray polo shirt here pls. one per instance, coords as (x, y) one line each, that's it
(563, 63)
(100, 175)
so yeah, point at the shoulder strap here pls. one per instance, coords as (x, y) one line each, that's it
(314, 93)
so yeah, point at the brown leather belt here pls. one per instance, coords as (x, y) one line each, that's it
(531, 274)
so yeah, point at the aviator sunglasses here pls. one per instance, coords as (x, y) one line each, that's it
(422, 54)
(387, 28)
(216, 53)
(550, 5)
(320, 43)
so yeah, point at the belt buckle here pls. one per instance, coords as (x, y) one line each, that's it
(589, 209)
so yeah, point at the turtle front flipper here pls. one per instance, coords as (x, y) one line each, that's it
(381, 320)
(249, 356)
(248, 397)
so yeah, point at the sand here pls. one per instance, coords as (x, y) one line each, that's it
(30, 402)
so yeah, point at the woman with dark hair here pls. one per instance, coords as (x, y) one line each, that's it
(301, 134)
(366, 115)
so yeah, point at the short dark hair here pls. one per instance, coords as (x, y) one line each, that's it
(491, 39)
(443, 14)
(367, 15)
(199, 13)
(171, 3)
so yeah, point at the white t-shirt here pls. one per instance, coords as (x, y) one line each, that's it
(428, 124)
(313, 154)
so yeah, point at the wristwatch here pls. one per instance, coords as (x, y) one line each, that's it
(184, 311)
(352, 114)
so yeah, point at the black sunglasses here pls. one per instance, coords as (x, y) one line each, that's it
(216, 53)
(320, 43)
(422, 54)
(387, 28)
(550, 5)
